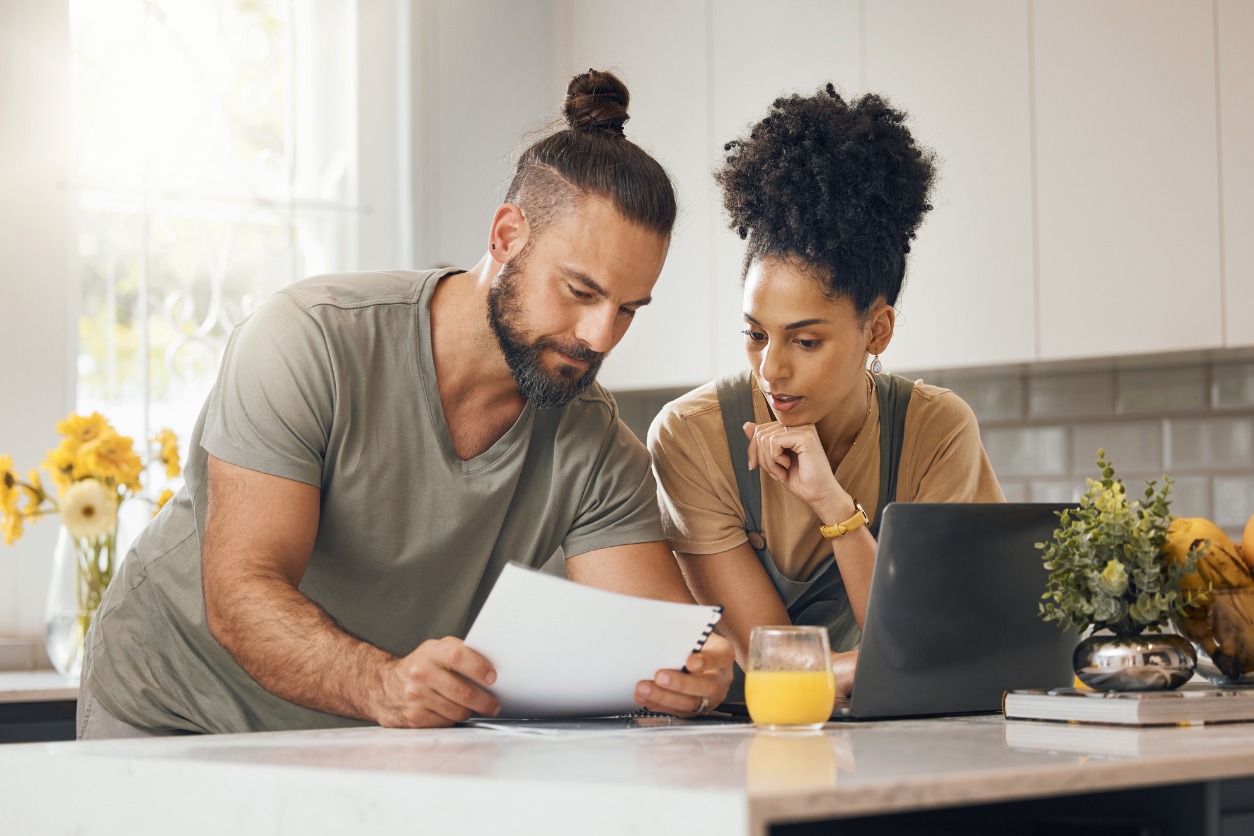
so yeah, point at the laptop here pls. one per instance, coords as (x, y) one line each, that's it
(952, 619)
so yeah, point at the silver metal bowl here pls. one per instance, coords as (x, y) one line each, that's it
(1148, 662)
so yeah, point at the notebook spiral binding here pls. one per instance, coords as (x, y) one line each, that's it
(705, 634)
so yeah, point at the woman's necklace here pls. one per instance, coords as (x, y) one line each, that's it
(866, 417)
(836, 455)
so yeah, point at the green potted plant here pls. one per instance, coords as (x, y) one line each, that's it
(1109, 578)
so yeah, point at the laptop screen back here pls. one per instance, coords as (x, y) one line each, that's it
(952, 619)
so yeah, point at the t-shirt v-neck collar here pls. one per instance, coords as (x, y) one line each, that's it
(431, 391)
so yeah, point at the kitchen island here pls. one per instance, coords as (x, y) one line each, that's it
(37, 705)
(962, 774)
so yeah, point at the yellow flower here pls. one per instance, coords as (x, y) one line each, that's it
(80, 430)
(169, 452)
(112, 457)
(90, 509)
(12, 524)
(34, 487)
(65, 465)
(166, 496)
(8, 485)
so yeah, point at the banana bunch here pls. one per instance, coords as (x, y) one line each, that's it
(1220, 618)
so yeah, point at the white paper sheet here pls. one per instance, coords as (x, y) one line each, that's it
(562, 649)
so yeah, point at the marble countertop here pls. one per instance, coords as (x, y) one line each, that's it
(730, 780)
(36, 686)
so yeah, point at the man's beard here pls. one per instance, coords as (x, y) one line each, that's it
(542, 389)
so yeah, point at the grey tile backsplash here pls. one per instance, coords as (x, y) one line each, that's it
(1071, 395)
(1191, 420)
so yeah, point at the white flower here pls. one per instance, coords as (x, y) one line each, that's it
(89, 509)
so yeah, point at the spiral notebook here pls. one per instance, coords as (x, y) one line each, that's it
(562, 649)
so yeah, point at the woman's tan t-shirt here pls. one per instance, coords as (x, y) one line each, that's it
(942, 460)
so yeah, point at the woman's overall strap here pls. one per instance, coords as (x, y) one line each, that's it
(894, 393)
(820, 599)
(735, 400)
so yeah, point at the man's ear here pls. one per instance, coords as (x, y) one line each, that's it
(880, 334)
(509, 233)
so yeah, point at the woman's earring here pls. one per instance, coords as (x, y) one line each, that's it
(876, 365)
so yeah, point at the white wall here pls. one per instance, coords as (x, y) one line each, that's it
(36, 380)
(384, 134)
(481, 78)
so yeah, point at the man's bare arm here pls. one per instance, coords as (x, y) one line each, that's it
(259, 536)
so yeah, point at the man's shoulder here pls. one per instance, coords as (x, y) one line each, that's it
(361, 289)
(594, 409)
(593, 417)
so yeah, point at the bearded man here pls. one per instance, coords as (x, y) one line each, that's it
(378, 445)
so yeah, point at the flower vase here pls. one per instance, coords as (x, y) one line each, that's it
(82, 568)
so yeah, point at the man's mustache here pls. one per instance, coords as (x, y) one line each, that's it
(578, 351)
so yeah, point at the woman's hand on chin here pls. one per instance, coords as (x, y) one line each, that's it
(794, 457)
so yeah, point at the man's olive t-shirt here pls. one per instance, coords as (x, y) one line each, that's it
(332, 383)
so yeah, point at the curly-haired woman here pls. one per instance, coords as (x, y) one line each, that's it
(827, 193)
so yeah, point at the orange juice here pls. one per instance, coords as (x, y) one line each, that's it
(790, 698)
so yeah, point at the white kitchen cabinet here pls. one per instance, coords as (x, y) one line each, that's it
(961, 69)
(758, 54)
(659, 49)
(1236, 149)
(1080, 203)
(1126, 151)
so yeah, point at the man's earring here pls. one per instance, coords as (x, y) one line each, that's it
(494, 246)
(876, 365)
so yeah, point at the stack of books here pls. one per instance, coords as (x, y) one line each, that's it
(1190, 705)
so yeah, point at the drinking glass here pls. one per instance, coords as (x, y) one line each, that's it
(789, 683)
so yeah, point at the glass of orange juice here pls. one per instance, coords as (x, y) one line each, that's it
(789, 683)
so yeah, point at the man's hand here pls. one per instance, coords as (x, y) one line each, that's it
(703, 687)
(440, 684)
(649, 570)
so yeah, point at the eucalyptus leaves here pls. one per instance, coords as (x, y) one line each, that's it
(1105, 562)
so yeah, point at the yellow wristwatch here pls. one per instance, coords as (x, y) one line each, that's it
(858, 520)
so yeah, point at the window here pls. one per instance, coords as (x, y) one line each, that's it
(214, 149)
(220, 150)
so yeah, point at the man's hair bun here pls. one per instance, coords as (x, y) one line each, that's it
(591, 157)
(596, 101)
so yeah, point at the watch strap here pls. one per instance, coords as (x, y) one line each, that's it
(858, 520)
